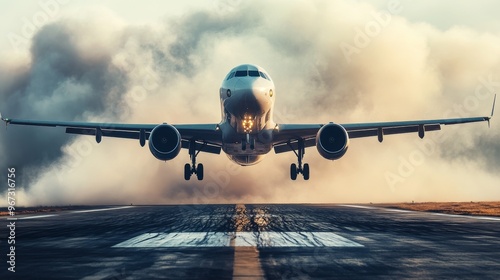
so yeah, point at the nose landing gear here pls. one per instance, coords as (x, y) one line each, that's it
(248, 141)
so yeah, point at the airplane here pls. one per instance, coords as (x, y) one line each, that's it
(247, 131)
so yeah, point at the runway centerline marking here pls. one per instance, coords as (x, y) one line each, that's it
(246, 259)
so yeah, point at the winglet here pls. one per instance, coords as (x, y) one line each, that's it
(6, 120)
(492, 110)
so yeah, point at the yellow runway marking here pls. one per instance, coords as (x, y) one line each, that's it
(246, 259)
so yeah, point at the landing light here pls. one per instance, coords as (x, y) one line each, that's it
(247, 124)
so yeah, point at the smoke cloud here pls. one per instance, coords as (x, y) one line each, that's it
(338, 61)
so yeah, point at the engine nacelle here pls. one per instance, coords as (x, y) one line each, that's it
(165, 142)
(332, 141)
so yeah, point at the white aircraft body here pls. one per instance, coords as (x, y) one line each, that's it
(247, 131)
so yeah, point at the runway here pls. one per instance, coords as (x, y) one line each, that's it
(252, 242)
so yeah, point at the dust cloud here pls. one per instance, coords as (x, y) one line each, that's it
(341, 61)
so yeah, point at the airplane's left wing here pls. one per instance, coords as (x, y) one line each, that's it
(207, 136)
(288, 136)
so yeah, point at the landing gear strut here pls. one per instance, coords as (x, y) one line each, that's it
(294, 169)
(190, 169)
(248, 141)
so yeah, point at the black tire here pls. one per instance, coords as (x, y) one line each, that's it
(199, 172)
(187, 171)
(305, 172)
(293, 171)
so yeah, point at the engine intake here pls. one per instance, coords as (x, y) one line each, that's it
(165, 142)
(332, 141)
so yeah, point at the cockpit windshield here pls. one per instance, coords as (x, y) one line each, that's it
(245, 73)
(241, 73)
(230, 76)
(253, 73)
(263, 75)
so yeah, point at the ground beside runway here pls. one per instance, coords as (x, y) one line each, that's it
(480, 208)
(252, 242)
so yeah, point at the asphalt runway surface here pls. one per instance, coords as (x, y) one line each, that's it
(252, 242)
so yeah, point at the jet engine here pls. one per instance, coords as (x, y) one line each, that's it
(332, 141)
(165, 142)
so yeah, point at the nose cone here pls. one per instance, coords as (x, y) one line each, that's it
(249, 96)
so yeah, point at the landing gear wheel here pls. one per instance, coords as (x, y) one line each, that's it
(187, 171)
(199, 172)
(243, 145)
(293, 171)
(190, 169)
(305, 172)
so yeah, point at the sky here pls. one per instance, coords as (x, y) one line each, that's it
(331, 61)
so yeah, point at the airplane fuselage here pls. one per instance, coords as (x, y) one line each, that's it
(247, 97)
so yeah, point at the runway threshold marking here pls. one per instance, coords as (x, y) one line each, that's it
(264, 239)
(177, 239)
(241, 237)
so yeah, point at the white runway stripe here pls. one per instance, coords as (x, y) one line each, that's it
(178, 239)
(241, 239)
(37, 217)
(357, 206)
(293, 239)
(468, 217)
(103, 209)
(398, 210)
(486, 218)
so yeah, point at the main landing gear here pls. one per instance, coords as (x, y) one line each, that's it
(190, 169)
(294, 169)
